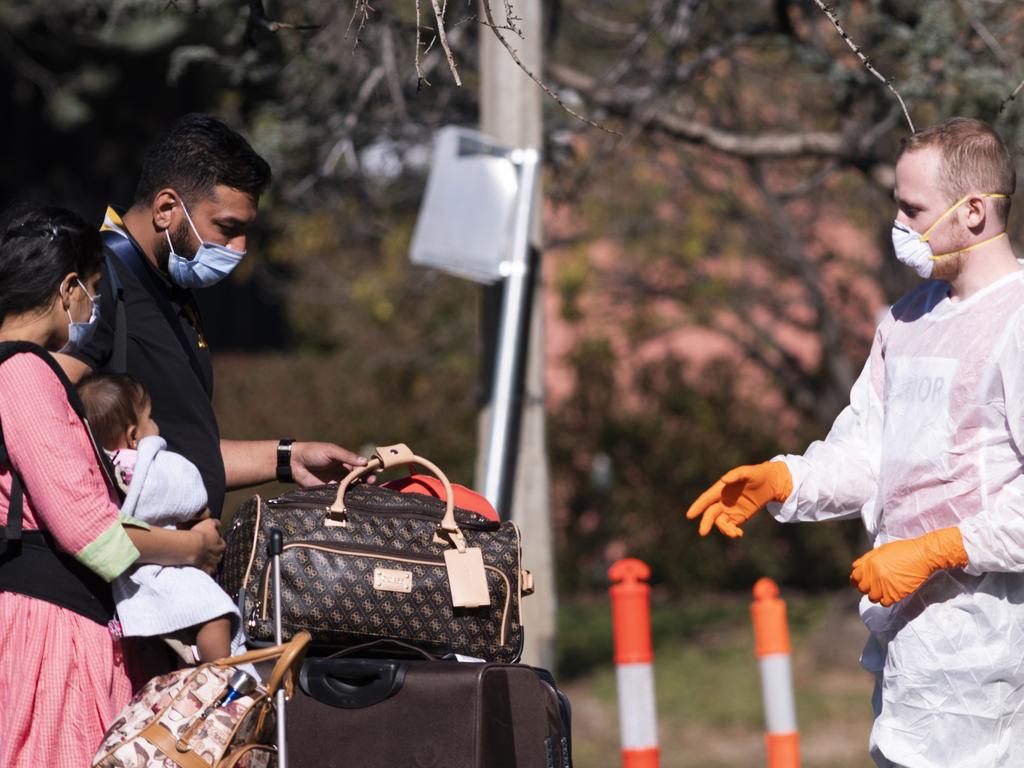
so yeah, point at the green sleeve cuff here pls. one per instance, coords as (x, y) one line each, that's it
(134, 522)
(110, 553)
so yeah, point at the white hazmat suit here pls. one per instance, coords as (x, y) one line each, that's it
(934, 437)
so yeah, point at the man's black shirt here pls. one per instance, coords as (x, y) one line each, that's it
(154, 355)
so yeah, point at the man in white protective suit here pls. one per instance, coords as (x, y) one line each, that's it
(929, 453)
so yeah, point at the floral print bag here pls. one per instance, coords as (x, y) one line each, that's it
(176, 721)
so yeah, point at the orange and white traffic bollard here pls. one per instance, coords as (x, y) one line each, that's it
(772, 648)
(634, 662)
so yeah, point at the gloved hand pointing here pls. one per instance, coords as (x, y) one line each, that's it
(897, 569)
(739, 494)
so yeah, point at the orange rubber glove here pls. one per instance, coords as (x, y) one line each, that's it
(738, 495)
(897, 569)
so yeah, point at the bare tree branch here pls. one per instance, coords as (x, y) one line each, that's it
(420, 79)
(831, 15)
(708, 56)
(258, 18)
(391, 68)
(983, 32)
(443, 37)
(519, 63)
(811, 183)
(751, 146)
(362, 10)
(602, 24)
(640, 39)
(1011, 97)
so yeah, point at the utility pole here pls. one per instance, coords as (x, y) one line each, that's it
(510, 112)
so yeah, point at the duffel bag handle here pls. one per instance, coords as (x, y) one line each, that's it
(289, 656)
(398, 455)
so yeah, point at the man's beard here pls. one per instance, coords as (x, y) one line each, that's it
(948, 267)
(182, 246)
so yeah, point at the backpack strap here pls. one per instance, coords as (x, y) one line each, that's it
(119, 356)
(15, 513)
(12, 531)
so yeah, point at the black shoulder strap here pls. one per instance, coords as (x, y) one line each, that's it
(119, 356)
(125, 250)
(12, 531)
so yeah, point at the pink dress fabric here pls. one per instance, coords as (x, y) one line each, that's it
(62, 676)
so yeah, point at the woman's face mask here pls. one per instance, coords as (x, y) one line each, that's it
(915, 251)
(211, 264)
(79, 334)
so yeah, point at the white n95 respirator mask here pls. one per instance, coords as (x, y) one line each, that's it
(912, 249)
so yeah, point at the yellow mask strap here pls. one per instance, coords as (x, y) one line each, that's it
(969, 247)
(928, 232)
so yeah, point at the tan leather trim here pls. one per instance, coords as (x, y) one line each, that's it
(336, 512)
(238, 754)
(290, 655)
(398, 455)
(158, 735)
(526, 583)
(255, 538)
(266, 707)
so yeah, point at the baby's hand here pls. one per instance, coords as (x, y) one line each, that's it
(210, 546)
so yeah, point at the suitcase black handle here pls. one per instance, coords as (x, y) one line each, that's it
(352, 683)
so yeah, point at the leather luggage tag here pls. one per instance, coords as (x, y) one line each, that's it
(467, 577)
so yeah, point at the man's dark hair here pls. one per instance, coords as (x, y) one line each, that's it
(199, 153)
(113, 403)
(37, 249)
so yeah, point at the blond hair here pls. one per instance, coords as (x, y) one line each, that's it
(973, 159)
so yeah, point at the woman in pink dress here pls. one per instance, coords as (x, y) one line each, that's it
(62, 539)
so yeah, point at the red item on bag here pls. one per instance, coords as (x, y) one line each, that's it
(428, 485)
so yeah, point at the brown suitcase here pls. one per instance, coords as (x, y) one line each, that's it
(400, 713)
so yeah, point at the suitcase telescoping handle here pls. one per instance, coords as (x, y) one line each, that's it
(398, 455)
(276, 547)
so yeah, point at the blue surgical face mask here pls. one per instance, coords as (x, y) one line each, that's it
(79, 334)
(211, 264)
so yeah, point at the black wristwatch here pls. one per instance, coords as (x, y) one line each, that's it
(284, 460)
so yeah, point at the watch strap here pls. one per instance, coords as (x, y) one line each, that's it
(284, 460)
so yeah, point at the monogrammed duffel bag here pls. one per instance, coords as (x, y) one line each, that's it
(362, 562)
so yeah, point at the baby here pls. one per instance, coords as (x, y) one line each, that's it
(162, 488)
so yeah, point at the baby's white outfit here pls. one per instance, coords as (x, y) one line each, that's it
(164, 488)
